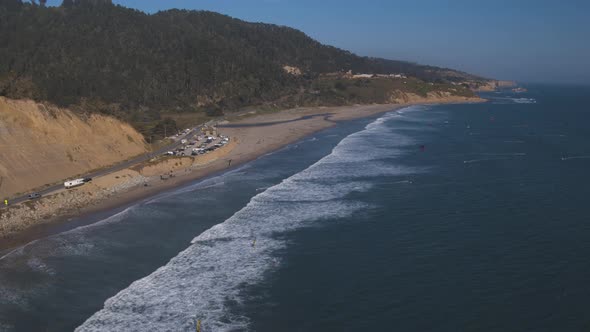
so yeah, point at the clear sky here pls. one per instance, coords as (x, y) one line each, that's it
(525, 40)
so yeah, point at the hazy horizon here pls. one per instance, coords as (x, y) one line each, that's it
(528, 41)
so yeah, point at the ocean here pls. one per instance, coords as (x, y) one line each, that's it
(467, 217)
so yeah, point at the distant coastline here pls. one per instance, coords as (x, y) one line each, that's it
(251, 137)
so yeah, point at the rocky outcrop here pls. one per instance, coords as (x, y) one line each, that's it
(292, 70)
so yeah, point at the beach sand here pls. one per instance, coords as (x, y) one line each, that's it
(251, 137)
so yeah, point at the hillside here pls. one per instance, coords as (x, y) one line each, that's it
(43, 144)
(93, 56)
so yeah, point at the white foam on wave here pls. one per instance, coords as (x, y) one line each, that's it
(17, 251)
(524, 100)
(472, 161)
(512, 100)
(309, 191)
(36, 264)
(37, 258)
(71, 242)
(575, 157)
(413, 114)
(215, 181)
(516, 154)
(397, 182)
(378, 141)
(495, 157)
(207, 279)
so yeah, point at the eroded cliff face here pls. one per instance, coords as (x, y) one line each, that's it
(399, 97)
(42, 144)
(494, 85)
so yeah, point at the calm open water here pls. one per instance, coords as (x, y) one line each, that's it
(434, 218)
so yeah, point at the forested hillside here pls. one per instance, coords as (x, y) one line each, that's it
(94, 56)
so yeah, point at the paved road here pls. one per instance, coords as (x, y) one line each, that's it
(123, 165)
(326, 117)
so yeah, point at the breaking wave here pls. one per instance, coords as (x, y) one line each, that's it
(524, 100)
(206, 281)
(510, 100)
(575, 157)
(495, 157)
(473, 161)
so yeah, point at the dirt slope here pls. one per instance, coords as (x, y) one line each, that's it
(44, 144)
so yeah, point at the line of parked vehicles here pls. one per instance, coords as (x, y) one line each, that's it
(202, 148)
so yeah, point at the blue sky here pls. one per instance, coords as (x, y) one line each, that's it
(525, 40)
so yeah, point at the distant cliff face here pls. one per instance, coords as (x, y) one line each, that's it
(399, 97)
(492, 85)
(44, 144)
(505, 84)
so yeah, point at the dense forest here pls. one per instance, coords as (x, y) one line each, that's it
(94, 56)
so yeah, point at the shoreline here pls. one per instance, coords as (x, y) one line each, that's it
(253, 137)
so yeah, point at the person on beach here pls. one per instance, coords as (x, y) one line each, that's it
(229, 163)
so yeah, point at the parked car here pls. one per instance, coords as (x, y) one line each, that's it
(34, 196)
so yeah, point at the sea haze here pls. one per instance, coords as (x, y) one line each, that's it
(429, 218)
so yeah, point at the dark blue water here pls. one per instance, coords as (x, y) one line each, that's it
(358, 228)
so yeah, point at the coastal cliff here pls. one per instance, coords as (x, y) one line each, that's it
(399, 97)
(43, 144)
(493, 85)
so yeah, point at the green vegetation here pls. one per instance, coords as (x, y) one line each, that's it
(340, 91)
(94, 56)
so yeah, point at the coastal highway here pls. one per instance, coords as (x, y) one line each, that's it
(111, 169)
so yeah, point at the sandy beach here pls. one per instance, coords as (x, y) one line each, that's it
(251, 136)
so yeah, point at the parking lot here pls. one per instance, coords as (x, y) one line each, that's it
(198, 145)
